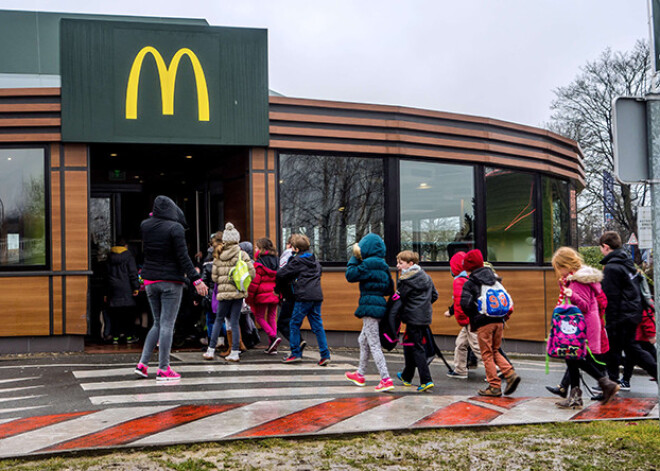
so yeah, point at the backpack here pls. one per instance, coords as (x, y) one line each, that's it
(568, 333)
(390, 324)
(494, 300)
(240, 274)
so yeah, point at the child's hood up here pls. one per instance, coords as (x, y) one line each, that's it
(165, 208)
(372, 245)
(456, 263)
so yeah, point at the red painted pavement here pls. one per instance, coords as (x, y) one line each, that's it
(32, 423)
(142, 427)
(505, 402)
(617, 408)
(315, 418)
(458, 413)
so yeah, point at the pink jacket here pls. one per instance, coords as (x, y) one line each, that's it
(585, 284)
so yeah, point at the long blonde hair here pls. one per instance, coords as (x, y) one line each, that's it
(567, 257)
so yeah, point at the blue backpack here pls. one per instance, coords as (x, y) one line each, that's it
(494, 300)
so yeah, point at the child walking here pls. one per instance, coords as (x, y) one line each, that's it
(417, 293)
(303, 271)
(261, 295)
(466, 337)
(367, 266)
(489, 329)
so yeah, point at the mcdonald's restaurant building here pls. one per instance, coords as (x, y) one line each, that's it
(99, 115)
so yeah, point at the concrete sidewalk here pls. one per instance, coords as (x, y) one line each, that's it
(80, 402)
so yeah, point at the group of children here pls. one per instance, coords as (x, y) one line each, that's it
(413, 299)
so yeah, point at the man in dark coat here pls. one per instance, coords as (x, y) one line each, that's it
(624, 307)
(123, 286)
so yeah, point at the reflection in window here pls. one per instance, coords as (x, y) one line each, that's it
(437, 215)
(556, 216)
(22, 208)
(334, 200)
(510, 215)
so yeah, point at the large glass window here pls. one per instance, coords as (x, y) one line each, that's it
(556, 216)
(22, 208)
(437, 209)
(334, 200)
(510, 215)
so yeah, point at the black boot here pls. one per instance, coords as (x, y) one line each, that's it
(558, 391)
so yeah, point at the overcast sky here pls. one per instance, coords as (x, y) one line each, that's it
(494, 58)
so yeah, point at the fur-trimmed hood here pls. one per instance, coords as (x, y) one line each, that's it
(586, 275)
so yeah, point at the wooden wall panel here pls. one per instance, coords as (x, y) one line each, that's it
(340, 301)
(25, 306)
(76, 230)
(258, 158)
(76, 305)
(57, 305)
(55, 155)
(258, 205)
(56, 221)
(75, 155)
(442, 325)
(551, 296)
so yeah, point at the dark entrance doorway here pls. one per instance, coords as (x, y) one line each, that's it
(210, 185)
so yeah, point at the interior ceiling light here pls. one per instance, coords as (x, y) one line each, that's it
(113, 155)
(343, 208)
(188, 156)
(162, 174)
(8, 158)
(423, 186)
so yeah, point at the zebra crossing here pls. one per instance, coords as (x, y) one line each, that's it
(107, 406)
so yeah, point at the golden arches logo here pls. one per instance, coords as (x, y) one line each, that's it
(167, 77)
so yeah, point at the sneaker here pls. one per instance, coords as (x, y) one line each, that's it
(512, 383)
(624, 385)
(115, 340)
(385, 385)
(323, 362)
(292, 359)
(131, 340)
(403, 381)
(303, 344)
(558, 391)
(234, 356)
(272, 348)
(453, 374)
(355, 378)
(490, 392)
(209, 354)
(141, 370)
(167, 375)
(425, 387)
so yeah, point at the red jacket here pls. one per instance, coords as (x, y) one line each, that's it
(646, 328)
(261, 290)
(460, 277)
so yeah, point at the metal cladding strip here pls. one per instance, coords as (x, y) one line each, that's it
(504, 402)
(316, 418)
(618, 408)
(537, 410)
(225, 380)
(135, 429)
(400, 413)
(214, 368)
(226, 394)
(458, 413)
(217, 427)
(30, 442)
(32, 423)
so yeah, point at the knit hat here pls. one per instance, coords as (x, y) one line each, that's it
(473, 260)
(230, 235)
(246, 247)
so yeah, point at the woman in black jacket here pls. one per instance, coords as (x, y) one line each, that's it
(166, 263)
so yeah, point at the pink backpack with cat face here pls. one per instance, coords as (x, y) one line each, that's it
(568, 333)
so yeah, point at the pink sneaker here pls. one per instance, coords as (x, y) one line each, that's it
(141, 370)
(355, 378)
(385, 385)
(167, 375)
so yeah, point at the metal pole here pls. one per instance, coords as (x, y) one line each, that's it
(653, 133)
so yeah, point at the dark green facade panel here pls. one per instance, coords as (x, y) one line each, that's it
(154, 83)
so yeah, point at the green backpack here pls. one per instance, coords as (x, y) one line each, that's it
(240, 274)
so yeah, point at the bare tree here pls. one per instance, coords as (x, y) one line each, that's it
(582, 111)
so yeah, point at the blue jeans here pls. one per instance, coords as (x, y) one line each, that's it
(230, 309)
(311, 310)
(164, 298)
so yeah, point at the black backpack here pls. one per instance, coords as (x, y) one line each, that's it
(390, 325)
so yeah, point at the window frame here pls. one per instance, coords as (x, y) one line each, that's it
(48, 236)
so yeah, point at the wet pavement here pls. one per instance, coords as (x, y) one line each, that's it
(54, 404)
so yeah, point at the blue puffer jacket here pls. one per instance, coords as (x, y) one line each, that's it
(374, 276)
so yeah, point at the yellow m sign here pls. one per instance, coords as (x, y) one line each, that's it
(167, 82)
